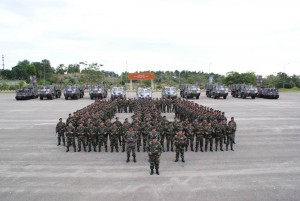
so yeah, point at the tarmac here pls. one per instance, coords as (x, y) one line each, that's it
(265, 165)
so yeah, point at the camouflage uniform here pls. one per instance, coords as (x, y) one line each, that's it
(189, 130)
(70, 134)
(130, 139)
(230, 131)
(114, 138)
(60, 130)
(102, 135)
(154, 152)
(199, 131)
(209, 138)
(180, 144)
(92, 137)
(81, 134)
(170, 135)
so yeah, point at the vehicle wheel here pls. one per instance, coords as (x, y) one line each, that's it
(41, 98)
(91, 97)
(76, 97)
(224, 97)
(66, 98)
(253, 97)
(197, 97)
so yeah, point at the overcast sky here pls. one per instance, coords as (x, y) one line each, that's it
(203, 35)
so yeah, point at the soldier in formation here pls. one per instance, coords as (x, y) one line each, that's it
(154, 151)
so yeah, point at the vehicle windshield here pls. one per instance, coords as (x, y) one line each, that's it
(147, 91)
(193, 87)
(220, 87)
(95, 88)
(250, 87)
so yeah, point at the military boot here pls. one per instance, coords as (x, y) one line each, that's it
(95, 149)
(167, 149)
(211, 149)
(134, 160)
(172, 150)
(74, 149)
(205, 148)
(201, 149)
(157, 172)
(196, 149)
(112, 149)
(182, 159)
(127, 159)
(117, 149)
(58, 142)
(176, 160)
(105, 148)
(151, 173)
(144, 149)
(221, 148)
(232, 148)
(64, 142)
(226, 148)
(216, 149)
(84, 149)
(79, 149)
(67, 149)
(192, 148)
(138, 148)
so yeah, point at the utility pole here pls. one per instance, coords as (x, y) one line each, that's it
(3, 61)
(284, 74)
(44, 73)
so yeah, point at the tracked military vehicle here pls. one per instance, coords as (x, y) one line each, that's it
(265, 92)
(216, 91)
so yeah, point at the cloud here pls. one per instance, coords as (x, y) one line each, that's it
(261, 36)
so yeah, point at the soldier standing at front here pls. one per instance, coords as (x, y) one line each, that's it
(154, 152)
(180, 144)
(130, 138)
(70, 134)
(81, 134)
(60, 130)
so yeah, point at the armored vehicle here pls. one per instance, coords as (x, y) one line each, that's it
(264, 92)
(191, 91)
(49, 92)
(181, 88)
(118, 92)
(74, 92)
(243, 91)
(144, 93)
(169, 92)
(23, 94)
(216, 91)
(98, 91)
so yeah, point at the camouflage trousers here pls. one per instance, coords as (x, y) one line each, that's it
(229, 140)
(71, 141)
(199, 139)
(190, 142)
(219, 140)
(208, 140)
(92, 142)
(102, 142)
(114, 143)
(154, 161)
(169, 142)
(81, 141)
(144, 142)
(131, 148)
(162, 142)
(61, 137)
(179, 150)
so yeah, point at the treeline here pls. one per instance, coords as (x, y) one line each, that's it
(94, 73)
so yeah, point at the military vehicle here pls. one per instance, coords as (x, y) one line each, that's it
(216, 91)
(144, 93)
(181, 88)
(118, 92)
(98, 91)
(169, 92)
(191, 91)
(265, 92)
(23, 94)
(49, 92)
(74, 92)
(243, 91)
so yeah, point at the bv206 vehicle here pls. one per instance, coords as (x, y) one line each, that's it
(118, 92)
(216, 91)
(169, 92)
(98, 91)
(73, 92)
(271, 93)
(243, 91)
(144, 93)
(49, 92)
(191, 91)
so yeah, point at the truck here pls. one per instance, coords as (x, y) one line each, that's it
(243, 91)
(169, 92)
(49, 92)
(98, 91)
(266, 92)
(216, 91)
(73, 92)
(191, 91)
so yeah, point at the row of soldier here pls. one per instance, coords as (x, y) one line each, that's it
(95, 133)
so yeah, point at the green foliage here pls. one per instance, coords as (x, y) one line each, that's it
(240, 78)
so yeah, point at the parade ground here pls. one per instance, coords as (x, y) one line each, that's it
(265, 165)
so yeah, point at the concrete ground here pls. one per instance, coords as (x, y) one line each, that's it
(264, 166)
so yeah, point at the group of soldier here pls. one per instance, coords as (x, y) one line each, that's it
(194, 126)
